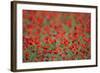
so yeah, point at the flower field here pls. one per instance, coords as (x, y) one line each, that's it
(56, 36)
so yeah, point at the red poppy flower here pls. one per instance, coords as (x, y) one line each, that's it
(42, 59)
(37, 32)
(65, 42)
(52, 25)
(88, 30)
(39, 52)
(82, 34)
(45, 51)
(30, 27)
(78, 28)
(83, 45)
(69, 23)
(40, 20)
(27, 55)
(75, 35)
(50, 51)
(37, 42)
(53, 58)
(87, 39)
(36, 59)
(45, 39)
(55, 51)
(47, 29)
(45, 47)
(74, 47)
(79, 18)
(48, 16)
(51, 41)
(39, 46)
(63, 55)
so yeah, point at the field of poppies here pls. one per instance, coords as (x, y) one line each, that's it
(56, 36)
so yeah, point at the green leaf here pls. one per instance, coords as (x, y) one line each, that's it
(43, 43)
(58, 58)
(87, 35)
(62, 46)
(26, 21)
(70, 43)
(73, 22)
(66, 28)
(54, 32)
(70, 53)
(32, 56)
(57, 42)
(81, 39)
(52, 46)
(41, 36)
(25, 32)
(79, 49)
(78, 58)
(46, 22)
(48, 55)
(67, 17)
